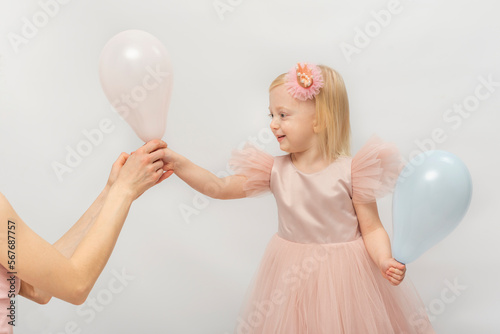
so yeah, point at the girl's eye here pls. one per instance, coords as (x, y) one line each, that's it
(271, 115)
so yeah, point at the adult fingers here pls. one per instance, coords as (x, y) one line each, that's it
(152, 145)
(164, 176)
(158, 165)
(157, 155)
(122, 158)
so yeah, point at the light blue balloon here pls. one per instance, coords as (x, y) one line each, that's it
(432, 195)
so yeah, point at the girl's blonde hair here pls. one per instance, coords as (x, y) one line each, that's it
(332, 114)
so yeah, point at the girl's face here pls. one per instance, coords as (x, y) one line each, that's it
(293, 119)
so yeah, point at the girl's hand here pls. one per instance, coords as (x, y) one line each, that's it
(171, 160)
(393, 270)
(142, 169)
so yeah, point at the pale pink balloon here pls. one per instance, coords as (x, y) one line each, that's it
(136, 76)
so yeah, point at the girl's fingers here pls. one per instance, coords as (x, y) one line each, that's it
(392, 274)
(395, 274)
(397, 277)
(396, 271)
(394, 281)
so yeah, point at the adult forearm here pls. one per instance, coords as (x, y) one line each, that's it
(94, 250)
(67, 244)
(378, 245)
(70, 240)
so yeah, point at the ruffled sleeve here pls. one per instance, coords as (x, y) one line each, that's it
(375, 170)
(256, 165)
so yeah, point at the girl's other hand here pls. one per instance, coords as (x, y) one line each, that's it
(393, 271)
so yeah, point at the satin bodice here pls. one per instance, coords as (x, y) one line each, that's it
(318, 207)
(314, 207)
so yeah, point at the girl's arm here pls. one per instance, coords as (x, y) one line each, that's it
(41, 265)
(67, 244)
(377, 242)
(200, 179)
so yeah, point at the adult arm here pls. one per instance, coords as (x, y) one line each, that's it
(67, 244)
(41, 265)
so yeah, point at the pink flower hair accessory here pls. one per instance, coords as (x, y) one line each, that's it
(304, 82)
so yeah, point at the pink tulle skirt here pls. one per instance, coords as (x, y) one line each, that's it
(327, 288)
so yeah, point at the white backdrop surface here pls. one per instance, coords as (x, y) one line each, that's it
(407, 74)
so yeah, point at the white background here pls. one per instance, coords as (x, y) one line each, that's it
(190, 275)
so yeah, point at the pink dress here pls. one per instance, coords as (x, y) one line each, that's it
(316, 275)
(5, 290)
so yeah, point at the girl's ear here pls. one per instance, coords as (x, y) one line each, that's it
(316, 128)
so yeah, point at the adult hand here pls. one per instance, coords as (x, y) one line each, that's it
(142, 169)
(115, 169)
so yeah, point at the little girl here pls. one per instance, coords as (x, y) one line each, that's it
(329, 268)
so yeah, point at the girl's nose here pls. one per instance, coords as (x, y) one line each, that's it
(274, 123)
